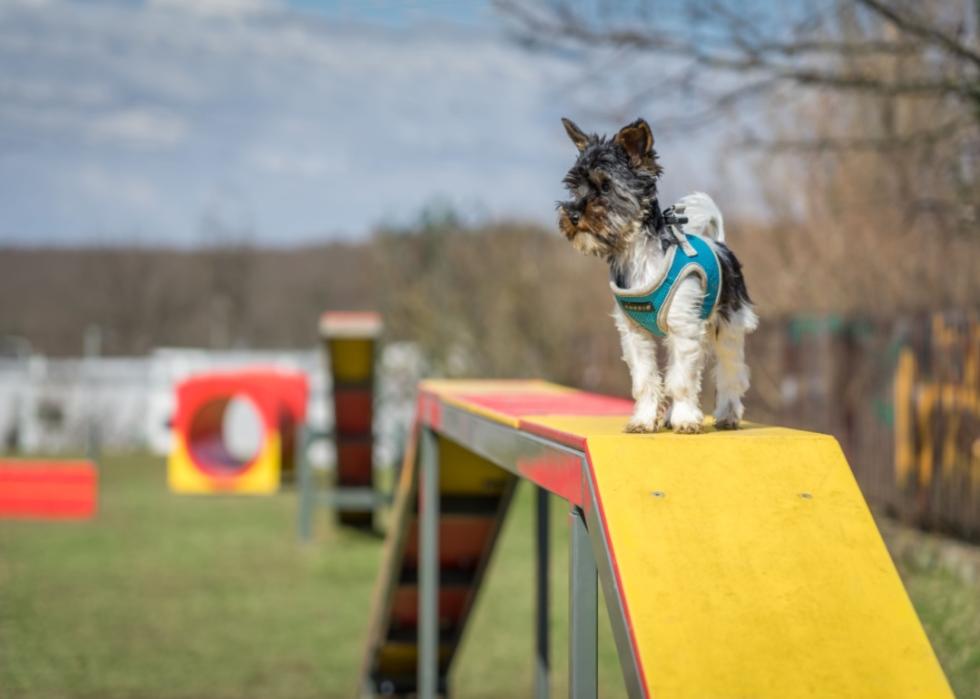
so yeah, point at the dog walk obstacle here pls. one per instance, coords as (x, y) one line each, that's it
(732, 564)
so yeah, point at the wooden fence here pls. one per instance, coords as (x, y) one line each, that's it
(902, 396)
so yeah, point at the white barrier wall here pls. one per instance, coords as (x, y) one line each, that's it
(71, 405)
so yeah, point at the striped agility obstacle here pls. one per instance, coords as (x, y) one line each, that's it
(350, 342)
(732, 564)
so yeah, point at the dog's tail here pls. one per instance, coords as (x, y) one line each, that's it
(703, 216)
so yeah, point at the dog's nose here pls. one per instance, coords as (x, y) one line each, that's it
(573, 216)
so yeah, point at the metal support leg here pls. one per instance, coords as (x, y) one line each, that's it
(307, 491)
(583, 609)
(542, 685)
(428, 574)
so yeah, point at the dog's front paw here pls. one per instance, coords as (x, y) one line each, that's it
(727, 423)
(635, 426)
(646, 417)
(686, 419)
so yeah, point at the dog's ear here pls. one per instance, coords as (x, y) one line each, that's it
(576, 134)
(637, 140)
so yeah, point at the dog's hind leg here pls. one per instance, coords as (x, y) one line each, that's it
(731, 372)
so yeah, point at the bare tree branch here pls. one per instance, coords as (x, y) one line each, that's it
(838, 48)
(820, 62)
(877, 85)
(851, 143)
(918, 26)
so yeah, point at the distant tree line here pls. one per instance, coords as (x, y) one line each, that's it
(501, 299)
(136, 299)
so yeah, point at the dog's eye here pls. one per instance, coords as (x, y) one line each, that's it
(605, 187)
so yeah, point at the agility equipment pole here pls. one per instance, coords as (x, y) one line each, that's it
(732, 564)
(350, 341)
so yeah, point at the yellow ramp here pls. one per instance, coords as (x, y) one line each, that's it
(734, 565)
(748, 565)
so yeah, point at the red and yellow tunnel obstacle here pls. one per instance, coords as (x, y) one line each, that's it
(201, 461)
(350, 340)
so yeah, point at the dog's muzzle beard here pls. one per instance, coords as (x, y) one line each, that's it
(579, 230)
(569, 218)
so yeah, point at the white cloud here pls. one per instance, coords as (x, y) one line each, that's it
(273, 161)
(314, 126)
(216, 8)
(14, 90)
(116, 188)
(144, 127)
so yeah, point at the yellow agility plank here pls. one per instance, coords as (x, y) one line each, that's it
(749, 566)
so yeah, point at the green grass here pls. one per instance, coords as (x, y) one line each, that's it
(165, 596)
(949, 609)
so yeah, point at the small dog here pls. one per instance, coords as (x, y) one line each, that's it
(684, 285)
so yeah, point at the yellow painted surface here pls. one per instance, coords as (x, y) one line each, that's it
(758, 570)
(352, 359)
(904, 391)
(262, 478)
(465, 473)
(402, 658)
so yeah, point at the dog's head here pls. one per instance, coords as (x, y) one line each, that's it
(612, 185)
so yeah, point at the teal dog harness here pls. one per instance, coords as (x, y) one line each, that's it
(648, 307)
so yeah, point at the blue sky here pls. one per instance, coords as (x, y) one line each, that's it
(400, 12)
(176, 121)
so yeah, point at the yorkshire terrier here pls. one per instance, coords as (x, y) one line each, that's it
(671, 274)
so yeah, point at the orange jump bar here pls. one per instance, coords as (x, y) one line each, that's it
(53, 489)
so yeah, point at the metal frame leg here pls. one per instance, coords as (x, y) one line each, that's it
(583, 609)
(307, 493)
(428, 573)
(542, 684)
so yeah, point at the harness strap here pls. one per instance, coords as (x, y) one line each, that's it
(668, 221)
(648, 307)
